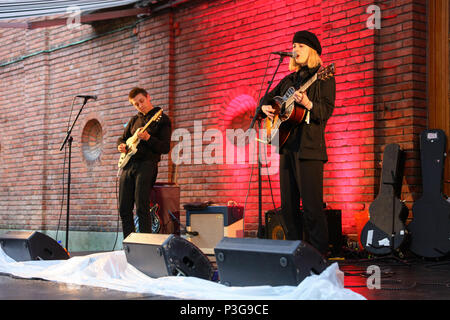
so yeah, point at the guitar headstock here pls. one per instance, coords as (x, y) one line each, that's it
(326, 72)
(157, 116)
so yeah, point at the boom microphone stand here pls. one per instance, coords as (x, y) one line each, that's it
(261, 232)
(69, 139)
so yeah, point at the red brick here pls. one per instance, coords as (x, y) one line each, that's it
(191, 66)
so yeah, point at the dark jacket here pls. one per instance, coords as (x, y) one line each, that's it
(159, 142)
(308, 140)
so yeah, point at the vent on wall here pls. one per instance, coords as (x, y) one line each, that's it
(92, 140)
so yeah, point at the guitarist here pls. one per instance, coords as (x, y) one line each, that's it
(303, 155)
(139, 174)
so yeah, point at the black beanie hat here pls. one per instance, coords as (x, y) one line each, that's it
(309, 39)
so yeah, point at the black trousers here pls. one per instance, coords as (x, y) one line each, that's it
(303, 179)
(136, 182)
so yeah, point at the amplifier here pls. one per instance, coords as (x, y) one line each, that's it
(275, 228)
(212, 224)
(167, 195)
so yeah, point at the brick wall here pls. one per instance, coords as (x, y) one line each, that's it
(204, 62)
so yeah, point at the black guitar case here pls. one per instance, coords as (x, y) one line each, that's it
(430, 227)
(387, 209)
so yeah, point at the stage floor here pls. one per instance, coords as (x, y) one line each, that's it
(409, 279)
(417, 280)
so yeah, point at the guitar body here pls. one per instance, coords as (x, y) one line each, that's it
(132, 144)
(134, 140)
(287, 116)
(430, 227)
(387, 212)
(154, 218)
(287, 113)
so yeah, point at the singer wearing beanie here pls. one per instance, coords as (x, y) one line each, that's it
(303, 155)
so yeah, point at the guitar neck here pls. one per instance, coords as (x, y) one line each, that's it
(308, 83)
(151, 120)
(303, 88)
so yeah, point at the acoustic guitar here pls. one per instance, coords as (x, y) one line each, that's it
(430, 226)
(288, 114)
(385, 231)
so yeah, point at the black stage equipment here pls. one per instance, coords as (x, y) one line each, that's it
(275, 227)
(254, 262)
(160, 255)
(31, 245)
(385, 232)
(430, 227)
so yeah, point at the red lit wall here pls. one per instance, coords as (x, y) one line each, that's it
(206, 61)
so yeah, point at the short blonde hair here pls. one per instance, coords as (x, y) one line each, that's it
(312, 61)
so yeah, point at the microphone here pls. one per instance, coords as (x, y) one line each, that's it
(87, 97)
(292, 54)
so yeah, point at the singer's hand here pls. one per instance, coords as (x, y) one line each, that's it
(269, 111)
(302, 98)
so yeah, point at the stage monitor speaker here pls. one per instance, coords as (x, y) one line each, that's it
(31, 245)
(275, 228)
(160, 255)
(254, 262)
(212, 224)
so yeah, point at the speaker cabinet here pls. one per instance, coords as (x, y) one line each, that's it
(254, 262)
(160, 255)
(167, 196)
(275, 227)
(31, 245)
(212, 224)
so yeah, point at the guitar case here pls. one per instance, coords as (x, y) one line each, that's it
(430, 227)
(387, 212)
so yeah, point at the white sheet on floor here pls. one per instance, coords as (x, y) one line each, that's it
(111, 270)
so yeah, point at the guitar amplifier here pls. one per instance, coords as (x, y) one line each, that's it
(212, 224)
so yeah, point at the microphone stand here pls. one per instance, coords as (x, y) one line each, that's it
(69, 139)
(261, 232)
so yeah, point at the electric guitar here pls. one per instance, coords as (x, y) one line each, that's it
(133, 141)
(154, 218)
(287, 113)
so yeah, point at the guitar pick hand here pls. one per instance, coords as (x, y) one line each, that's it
(269, 111)
(122, 148)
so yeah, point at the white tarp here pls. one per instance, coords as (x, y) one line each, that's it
(111, 270)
